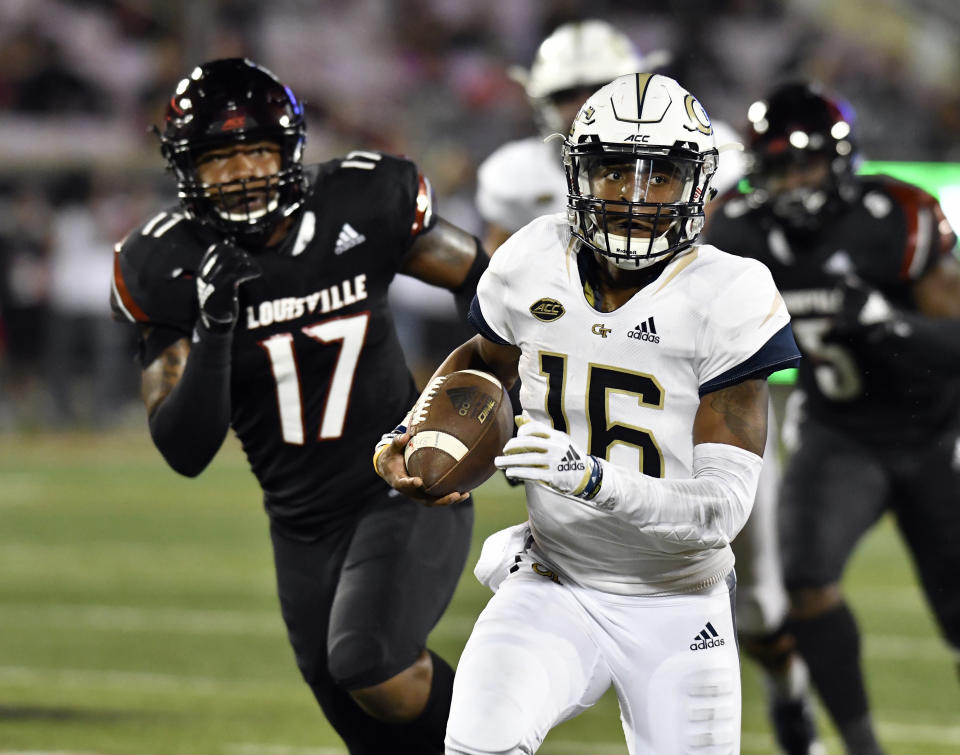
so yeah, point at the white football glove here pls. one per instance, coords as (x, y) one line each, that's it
(538, 453)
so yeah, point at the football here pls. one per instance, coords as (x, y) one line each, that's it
(458, 425)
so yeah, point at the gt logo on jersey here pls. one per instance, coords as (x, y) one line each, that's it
(600, 330)
(547, 310)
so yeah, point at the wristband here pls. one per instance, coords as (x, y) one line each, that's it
(387, 438)
(592, 486)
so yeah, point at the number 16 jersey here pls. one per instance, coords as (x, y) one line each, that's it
(626, 386)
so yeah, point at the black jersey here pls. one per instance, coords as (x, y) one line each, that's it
(889, 238)
(317, 369)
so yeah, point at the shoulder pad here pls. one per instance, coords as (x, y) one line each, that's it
(389, 186)
(371, 160)
(928, 234)
(154, 269)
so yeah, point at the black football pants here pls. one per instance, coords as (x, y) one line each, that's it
(360, 601)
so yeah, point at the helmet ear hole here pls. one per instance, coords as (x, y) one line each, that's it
(230, 102)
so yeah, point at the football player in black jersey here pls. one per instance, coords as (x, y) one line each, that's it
(261, 304)
(868, 268)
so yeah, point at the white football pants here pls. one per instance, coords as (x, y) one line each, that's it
(542, 652)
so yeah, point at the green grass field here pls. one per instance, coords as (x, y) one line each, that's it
(138, 616)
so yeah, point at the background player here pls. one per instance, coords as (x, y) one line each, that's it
(524, 179)
(261, 304)
(866, 265)
(648, 448)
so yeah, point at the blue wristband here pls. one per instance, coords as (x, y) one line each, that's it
(592, 487)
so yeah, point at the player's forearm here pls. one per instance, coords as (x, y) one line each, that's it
(480, 354)
(188, 426)
(705, 511)
(464, 293)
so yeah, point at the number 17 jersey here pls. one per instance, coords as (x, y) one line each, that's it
(317, 371)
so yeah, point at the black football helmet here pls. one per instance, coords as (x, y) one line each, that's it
(793, 127)
(221, 103)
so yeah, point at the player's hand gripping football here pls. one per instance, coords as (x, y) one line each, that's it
(223, 269)
(389, 463)
(538, 453)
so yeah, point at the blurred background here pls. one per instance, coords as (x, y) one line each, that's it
(83, 81)
(138, 609)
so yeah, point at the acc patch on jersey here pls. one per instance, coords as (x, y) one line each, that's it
(547, 310)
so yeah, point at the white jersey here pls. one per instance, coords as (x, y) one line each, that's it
(625, 385)
(520, 181)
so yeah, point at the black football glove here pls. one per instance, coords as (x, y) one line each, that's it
(864, 312)
(223, 269)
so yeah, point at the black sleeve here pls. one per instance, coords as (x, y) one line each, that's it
(154, 340)
(189, 425)
(464, 293)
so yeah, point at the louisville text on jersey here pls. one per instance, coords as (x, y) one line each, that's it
(325, 300)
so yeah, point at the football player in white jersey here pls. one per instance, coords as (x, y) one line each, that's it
(524, 179)
(643, 358)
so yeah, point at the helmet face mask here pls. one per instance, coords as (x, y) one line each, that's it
(802, 155)
(244, 195)
(639, 160)
(226, 106)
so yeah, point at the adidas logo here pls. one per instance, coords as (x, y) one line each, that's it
(472, 402)
(571, 462)
(348, 239)
(645, 331)
(708, 638)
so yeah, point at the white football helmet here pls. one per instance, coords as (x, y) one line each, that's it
(639, 160)
(579, 55)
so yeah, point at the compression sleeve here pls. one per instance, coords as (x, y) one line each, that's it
(705, 511)
(189, 425)
(464, 293)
